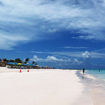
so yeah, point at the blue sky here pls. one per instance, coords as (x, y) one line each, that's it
(59, 33)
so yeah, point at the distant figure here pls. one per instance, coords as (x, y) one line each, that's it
(83, 70)
(99, 70)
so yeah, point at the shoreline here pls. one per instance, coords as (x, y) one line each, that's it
(44, 87)
(96, 88)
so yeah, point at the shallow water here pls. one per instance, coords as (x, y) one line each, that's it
(96, 85)
(99, 74)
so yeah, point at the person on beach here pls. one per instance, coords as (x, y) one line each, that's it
(83, 70)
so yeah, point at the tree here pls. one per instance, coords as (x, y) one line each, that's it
(5, 60)
(11, 60)
(26, 60)
(0, 59)
(33, 62)
(18, 60)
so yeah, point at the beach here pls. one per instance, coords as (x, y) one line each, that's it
(42, 87)
(95, 82)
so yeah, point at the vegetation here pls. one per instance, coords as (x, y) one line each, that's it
(4, 62)
(18, 60)
(18, 63)
(11, 60)
(33, 62)
(26, 60)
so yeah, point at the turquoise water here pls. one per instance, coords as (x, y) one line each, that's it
(97, 73)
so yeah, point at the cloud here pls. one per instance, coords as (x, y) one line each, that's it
(97, 55)
(79, 59)
(9, 41)
(53, 59)
(32, 19)
(1, 4)
(77, 54)
(49, 59)
(70, 47)
(86, 54)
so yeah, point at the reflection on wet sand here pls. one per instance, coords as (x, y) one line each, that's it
(96, 88)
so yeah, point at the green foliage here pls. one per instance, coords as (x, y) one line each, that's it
(33, 62)
(26, 60)
(18, 60)
(11, 60)
(5, 60)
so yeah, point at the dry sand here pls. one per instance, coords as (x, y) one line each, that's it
(42, 87)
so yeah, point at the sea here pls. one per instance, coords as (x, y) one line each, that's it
(99, 74)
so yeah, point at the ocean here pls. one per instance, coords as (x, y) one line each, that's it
(99, 74)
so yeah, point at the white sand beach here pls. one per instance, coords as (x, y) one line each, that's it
(42, 87)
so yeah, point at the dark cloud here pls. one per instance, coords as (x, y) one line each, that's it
(1, 3)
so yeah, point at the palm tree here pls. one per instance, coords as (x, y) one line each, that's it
(5, 60)
(18, 60)
(33, 62)
(11, 60)
(26, 60)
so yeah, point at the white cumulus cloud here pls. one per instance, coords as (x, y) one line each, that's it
(49, 59)
(58, 61)
(86, 54)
